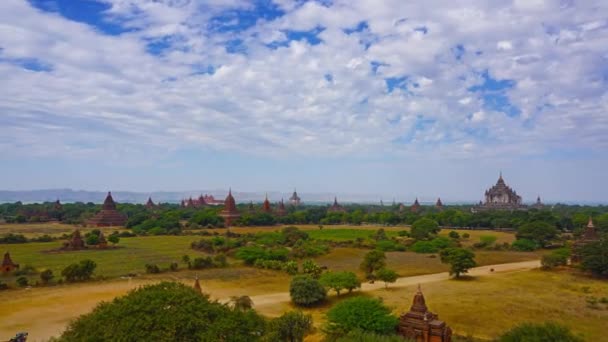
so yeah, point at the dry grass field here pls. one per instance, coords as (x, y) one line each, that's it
(31, 230)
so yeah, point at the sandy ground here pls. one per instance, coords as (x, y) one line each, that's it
(45, 312)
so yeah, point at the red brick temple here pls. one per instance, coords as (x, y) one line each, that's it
(229, 213)
(108, 216)
(57, 206)
(421, 325)
(281, 211)
(336, 208)
(102, 242)
(589, 235)
(415, 207)
(75, 243)
(197, 286)
(150, 204)
(294, 199)
(439, 204)
(7, 264)
(266, 206)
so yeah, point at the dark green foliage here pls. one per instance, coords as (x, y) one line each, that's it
(165, 312)
(339, 281)
(558, 257)
(460, 260)
(114, 239)
(311, 268)
(362, 336)
(46, 276)
(540, 232)
(306, 291)
(307, 249)
(380, 235)
(546, 332)
(390, 246)
(241, 303)
(424, 228)
(293, 235)
(595, 257)
(485, 241)
(372, 262)
(79, 272)
(433, 246)
(202, 263)
(13, 238)
(207, 217)
(250, 254)
(173, 267)
(292, 326)
(524, 245)
(387, 276)
(360, 313)
(152, 268)
(454, 235)
(22, 281)
(291, 267)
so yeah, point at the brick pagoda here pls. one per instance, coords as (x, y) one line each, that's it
(439, 204)
(415, 207)
(281, 211)
(266, 206)
(7, 264)
(75, 243)
(421, 325)
(108, 216)
(589, 235)
(229, 213)
(336, 208)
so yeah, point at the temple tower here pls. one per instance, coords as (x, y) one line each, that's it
(589, 235)
(294, 199)
(336, 208)
(439, 204)
(108, 216)
(7, 264)
(266, 206)
(197, 286)
(415, 207)
(281, 211)
(150, 204)
(421, 325)
(229, 213)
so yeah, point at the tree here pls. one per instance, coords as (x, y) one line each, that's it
(311, 268)
(241, 303)
(362, 313)
(380, 235)
(22, 281)
(538, 231)
(293, 234)
(594, 257)
(186, 260)
(373, 261)
(460, 260)
(387, 276)
(339, 281)
(424, 228)
(454, 235)
(306, 291)
(46, 276)
(530, 332)
(524, 245)
(114, 239)
(558, 257)
(165, 312)
(79, 271)
(292, 326)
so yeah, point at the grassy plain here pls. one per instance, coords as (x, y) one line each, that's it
(31, 230)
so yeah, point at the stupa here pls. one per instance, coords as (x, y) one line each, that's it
(150, 204)
(589, 235)
(294, 199)
(439, 204)
(229, 213)
(266, 206)
(336, 208)
(7, 264)
(108, 216)
(75, 243)
(415, 207)
(281, 211)
(421, 325)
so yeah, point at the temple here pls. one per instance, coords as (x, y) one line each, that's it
(229, 213)
(102, 242)
(421, 325)
(439, 204)
(7, 264)
(416, 206)
(197, 286)
(201, 201)
(294, 199)
(75, 243)
(500, 197)
(281, 211)
(150, 204)
(266, 206)
(589, 235)
(539, 204)
(57, 206)
(108, 216)
(336, 208)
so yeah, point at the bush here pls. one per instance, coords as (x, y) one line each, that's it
(79, 272)
(292, 326)
(549, 332)
(424, 228)
(202, 263)
(387, 276)
(311, 268)
(524, 245)
(165, 312)
(46, 276)
(173, 267)
(250, 254)
(556, 258)
(594, 257)
(485, 241)
(360, 313)
(339, 281)
(466, 235)
(362, 336)
(454, 235)
(389, 246)
(291, 268)
(22, 281)
(306, 291)
(13, 238)
(152, 268)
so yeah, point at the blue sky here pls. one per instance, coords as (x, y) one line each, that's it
(394, 100)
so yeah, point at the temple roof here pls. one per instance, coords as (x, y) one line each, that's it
(7, 261)
(197, 286)
(108, 203)
(266, 206)
(590, 232)
(294, 197)
(229, 204)
(419, 304)
(439, 203)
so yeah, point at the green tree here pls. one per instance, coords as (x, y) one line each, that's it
(306, 291)
(46, 276)
(372, 262)
(546, 332)
(114, 239)
(292, 326)
(362, 336)
(22, 281)
(387, 276)
(311, 268)
(540, 232)
(594, 257)
(460, 260)
(165, 312)
(79, 271)
(186, 260)
(558, 257)
(291, 267)
(360, 313)
(424, 228)
(339, 281)
(380, 235)
(524, 245)
(241, 303)
(454, 235)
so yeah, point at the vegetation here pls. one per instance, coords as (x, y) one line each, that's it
(292, 326)
(558, 257)
(460, 260)
(387, 276)
(306, 291)
(338, 281)
(81, 271)
(424, 228)
(360, 313)
(542, 233)
(372, 262)
(595, 257)
(547, 332)
(173, 312)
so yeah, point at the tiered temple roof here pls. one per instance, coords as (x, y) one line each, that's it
(108, 216)
(281, 211)
(7, 264)
(501, 197)
(266, 206)
(57, 206)
(539, 204)
(150, 204)
(589, 235)
(294, 199)
(76, 242)
(229, 213)
(421, 325)
(439, 204)
(336, 208)
(415, 207)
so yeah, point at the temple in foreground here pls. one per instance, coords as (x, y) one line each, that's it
(7, 264)
(501, 197)
(108, 216)
(421, 325)
(589, 235)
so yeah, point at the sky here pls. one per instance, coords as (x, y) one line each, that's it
(399, 99)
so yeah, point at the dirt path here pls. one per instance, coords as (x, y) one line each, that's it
(45, 312)
(276, 298)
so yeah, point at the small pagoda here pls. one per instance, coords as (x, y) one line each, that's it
(7, 264)
(539, 204)
(266, 206)
(294, 199)
(281, 211)
(108, 216)
(75, 243)
(150, 204)
(336, 208)
(229, 213)
(197, 286)
(421, 325)
(416, 206)
(439, 204)
(589, 235)
(57, 206)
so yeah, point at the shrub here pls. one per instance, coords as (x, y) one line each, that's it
(339, 281)
(311, 268)
(556, 258)
(306, 291)
(220, 260)
(524, 245)
(22, 281)
(424, 228)
(165, 312)
(594, 257)
(202, 263)
(362, 336)
(292, 326)
(423, 247)
(485, 241)
(291, 268)
(79, 272)
(360, 313)
(46, 276)
(389, 246)
(539, 332)
(173, 267)
(152, 268)
(466, 235)
(454, 235)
